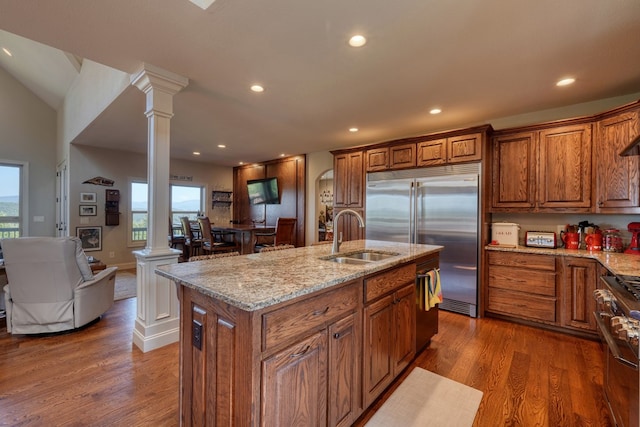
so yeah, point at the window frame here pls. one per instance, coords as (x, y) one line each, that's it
(23, 196)
(131, 212)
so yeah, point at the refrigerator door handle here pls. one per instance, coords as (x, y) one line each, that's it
(413, 212)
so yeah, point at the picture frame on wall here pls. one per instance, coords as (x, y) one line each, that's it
(88, 198)
(88, 210)
(91, 238)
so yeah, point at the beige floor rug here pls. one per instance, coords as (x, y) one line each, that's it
(125, 284)
(428, 399)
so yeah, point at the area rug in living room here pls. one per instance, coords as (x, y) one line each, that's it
(125, 284)
(428, 399)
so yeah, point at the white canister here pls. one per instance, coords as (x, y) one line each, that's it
(504, 234)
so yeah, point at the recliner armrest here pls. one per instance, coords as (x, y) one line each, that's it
(104, 274)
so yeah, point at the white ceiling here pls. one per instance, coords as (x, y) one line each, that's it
(477, 60)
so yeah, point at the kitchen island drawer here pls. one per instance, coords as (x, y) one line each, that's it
(383, 283)
(298, 318)
(521, 305)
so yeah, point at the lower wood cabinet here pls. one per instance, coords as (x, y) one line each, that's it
(389, 345)
(294, 383)
(580, 280)
(545, 289)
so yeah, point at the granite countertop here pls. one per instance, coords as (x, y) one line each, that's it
(617, 263)
(255, 281)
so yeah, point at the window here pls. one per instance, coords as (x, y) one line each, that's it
(186, 201)
(139, 211)
(12, 199)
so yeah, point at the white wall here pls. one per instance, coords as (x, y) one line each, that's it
(121, 166)
(28, 134)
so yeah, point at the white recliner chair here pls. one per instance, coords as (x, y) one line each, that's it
(51, 287)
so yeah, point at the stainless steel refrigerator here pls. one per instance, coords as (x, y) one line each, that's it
(436, 206)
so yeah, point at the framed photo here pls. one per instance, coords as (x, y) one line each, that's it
(88, 210)
(91, 238)
(88, 198)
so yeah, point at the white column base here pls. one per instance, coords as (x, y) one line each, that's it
(158, 310)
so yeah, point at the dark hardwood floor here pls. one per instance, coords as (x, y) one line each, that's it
(95, 377)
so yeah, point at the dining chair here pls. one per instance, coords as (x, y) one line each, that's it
(209, 242)
(283, 234)
(191, 241)
(175, 239)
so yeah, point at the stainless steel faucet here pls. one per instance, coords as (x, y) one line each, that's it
(337, 242)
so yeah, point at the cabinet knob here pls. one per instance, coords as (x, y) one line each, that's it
(336, 335)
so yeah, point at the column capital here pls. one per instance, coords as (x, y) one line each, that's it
(156, 78)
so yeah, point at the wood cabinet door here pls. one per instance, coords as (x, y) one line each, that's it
(377, 372)
(349, 226)
(294, 385)
(348, 170)
(564, 173)
(377, 159)
(405, 327)
(464, 148)
(431, 153)
(344, 373)
(580, 280)
(402, 156)
(618, 177)
(514, 171)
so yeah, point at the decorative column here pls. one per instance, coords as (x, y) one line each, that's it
(157, 317)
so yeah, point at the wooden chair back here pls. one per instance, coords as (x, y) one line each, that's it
(285, 228)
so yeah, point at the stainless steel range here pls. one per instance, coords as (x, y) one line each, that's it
(618, 319)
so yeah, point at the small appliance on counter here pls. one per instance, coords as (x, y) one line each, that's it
(541, 239)
(634, 246)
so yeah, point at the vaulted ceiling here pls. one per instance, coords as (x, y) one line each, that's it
(476, 60)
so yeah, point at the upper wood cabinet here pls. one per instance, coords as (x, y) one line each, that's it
(393, 157)
(543, 170)
(617, 177)
(456, 149)
(514, 171)
(348, 170)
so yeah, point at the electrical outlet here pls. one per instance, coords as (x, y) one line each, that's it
(112, 254)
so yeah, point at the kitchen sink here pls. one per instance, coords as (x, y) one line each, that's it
(361, 257)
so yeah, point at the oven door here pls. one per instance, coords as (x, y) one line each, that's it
(621, 376)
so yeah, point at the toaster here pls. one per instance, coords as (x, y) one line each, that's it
(540, 239)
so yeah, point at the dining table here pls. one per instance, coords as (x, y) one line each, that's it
(246, 234)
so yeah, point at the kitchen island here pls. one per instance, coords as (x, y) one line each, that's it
(293, 337)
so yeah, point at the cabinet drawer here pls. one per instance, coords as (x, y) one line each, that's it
(512, 259)
(298, 318)
(521, 305)
(523, 280)
(384, 283)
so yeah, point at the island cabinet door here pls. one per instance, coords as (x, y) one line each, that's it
(378, 363)
(344, 372)
(404, 327)
(294, 385)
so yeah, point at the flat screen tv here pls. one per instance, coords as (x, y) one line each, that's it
(263, 191)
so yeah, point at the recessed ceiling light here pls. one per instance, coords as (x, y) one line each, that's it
(282, 155)
(241, 163)
(257, 88)
(196, 153)
(222, 146)
(566, 82)
(353, 129)
(7, 51)
(357, 41)
(435, 111)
